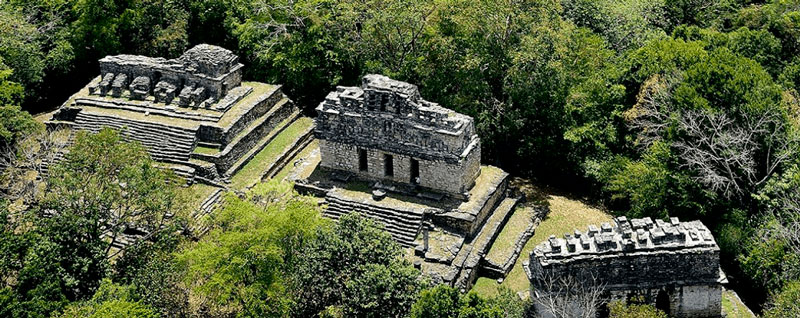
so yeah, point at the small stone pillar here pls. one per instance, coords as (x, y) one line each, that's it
(425, 237)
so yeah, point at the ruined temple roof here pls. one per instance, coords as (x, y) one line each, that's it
(209, 59)
(391, 115)
(204, 59)
(405, 102)
(380, 82)
(625, 237)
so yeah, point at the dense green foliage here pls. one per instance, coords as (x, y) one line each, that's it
(354, 269)
(242, 265)
(618, 309)
(687, 108)
(785, 303)
(446, 302)
(58, 249)
(110, 301)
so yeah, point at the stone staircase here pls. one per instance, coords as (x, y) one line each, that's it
(205, 209)
(184, 172)
(470, 256)
(262, 105)
(403, 225)
(165, 143)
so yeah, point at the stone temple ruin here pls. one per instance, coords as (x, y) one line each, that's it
(193, 113)
(673, 265)
(387, 153)
(385, 131)
(413, 166)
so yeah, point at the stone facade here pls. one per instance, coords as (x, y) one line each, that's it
(199, 78)
(384, 130)
(673, 265)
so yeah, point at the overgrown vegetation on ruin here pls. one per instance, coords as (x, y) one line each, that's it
(684, 108)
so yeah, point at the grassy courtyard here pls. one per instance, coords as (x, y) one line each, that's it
(565, 215)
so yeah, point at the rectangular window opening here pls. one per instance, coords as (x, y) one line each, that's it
(388, 165)
(362, 159)
(414, 171)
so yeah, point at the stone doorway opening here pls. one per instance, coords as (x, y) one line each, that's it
(362, 159)
(662, 301)
(414, 171)
(388, 165)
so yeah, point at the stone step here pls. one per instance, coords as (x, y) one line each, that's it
(393, 221)
(399, 232)
(261, 106)
(159, 154)
(179, 139)
(403, 225)
(405, 238)
(390, 220)
(148, 132)
(209, 203)
(163, 142)
(399, 229)
(404, 215)
(276, 166)
(154, 132)
(411, 213)
(496, 222)
(483, 240)
(250, 137)
(260, 121)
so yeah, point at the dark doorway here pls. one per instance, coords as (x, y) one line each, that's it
(662, 301)
(362, 159)
(414, 171)
(388, 165)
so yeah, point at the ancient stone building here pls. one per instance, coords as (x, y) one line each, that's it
(414, 167)
(385, 131)
(200, 77)
(673, 265)
(193, 113)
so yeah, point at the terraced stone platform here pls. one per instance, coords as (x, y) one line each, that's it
(205, 133)
(459, 232)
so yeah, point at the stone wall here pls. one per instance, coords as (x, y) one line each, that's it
(438, 175)
(639, 257)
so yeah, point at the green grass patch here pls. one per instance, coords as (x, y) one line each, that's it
(252, 171)
(732, 307)
(305, 153)
(197, 193)
(235, 110)
(206, 150)
(565, 216)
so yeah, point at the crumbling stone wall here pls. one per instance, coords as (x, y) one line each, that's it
(640, 257)
(388, 117)
(199, 78)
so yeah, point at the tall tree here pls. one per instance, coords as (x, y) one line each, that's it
(354, 268)
(242, 265)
